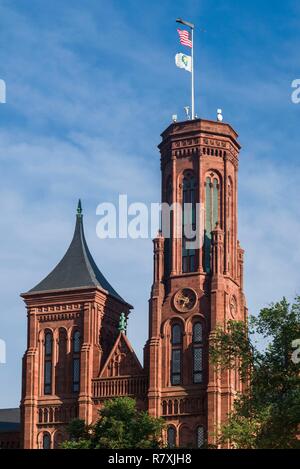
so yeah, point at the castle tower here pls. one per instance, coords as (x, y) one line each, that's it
(196, 285)
(73, 317)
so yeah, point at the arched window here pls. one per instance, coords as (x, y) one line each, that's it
(212, 189)
(167, 228)
(197, 333)
(197, 353)
(230, 228)
(171, 437)
(200, 437)
(61, 365)
(185, 436)
(48, 363)
(46, 441)
(176, 334)
(176, 356)
(188, 222)
(76, 344)
(164, 407)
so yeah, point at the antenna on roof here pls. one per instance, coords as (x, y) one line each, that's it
(219, 115)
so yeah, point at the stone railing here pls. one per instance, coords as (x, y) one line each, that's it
(120, 386)
(56, 414)
(182, 406)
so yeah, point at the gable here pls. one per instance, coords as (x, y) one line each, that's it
(122, 361)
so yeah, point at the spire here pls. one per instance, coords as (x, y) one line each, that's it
(77, 269)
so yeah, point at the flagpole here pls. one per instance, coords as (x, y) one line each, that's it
(192, 26)
(193, 78)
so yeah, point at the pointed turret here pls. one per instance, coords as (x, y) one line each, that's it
(77, 269)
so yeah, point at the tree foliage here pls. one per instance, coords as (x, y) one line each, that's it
(267, 414)
(120, 425)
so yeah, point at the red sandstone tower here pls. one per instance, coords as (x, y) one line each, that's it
(76, 357)
(195, 289)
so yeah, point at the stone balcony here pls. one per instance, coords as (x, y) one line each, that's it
(131, 386)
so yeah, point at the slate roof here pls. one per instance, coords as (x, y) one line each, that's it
(77, 268)
(10, 420)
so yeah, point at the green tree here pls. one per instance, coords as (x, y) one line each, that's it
(267, 414)
(120, 425)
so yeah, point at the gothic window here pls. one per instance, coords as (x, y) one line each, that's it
(230, 227)
(197, 353)
(212, 197)
(200, 437)
(164, 407)
(176, 354)
(168, 237)
(46, 441)
(188, 222)
(61, 366)
(184, 436)
(48, 363)
(76, 343)
(176, 334)
(171, 437)
(197, 333)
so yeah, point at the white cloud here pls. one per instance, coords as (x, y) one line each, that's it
(269, 217)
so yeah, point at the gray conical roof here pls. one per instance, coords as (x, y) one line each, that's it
(77, 268)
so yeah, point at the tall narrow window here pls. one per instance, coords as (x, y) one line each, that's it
(171, 437)
(46, 441)
(48, 363)
(197, 353)
(230, 228)
(167, 225)
(200, 437)
(176, 359)
(76, 361)
(188, 222)
(212, 188)
(61, 365)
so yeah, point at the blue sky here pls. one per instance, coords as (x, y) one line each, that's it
(90, 87)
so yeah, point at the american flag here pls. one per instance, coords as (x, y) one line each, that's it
(185, 37)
